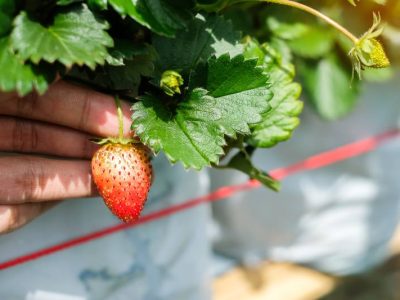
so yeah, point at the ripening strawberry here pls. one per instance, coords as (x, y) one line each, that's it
(122, 174)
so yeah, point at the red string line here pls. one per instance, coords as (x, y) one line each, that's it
(314, 162)
(336, 155)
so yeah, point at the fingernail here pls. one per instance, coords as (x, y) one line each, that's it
(4, 219)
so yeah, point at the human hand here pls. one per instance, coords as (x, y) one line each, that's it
(57, 124)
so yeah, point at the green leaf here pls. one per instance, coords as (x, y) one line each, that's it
(328, 84)
(161, 16)
(75, 37)
(125, 49)
(306, 39)
(241, 91)
(7, 8)
(281, 119)
(128, 77)
(99, 4)
(228, 76)
(21, 77)
(66, 2)
(217, 5)
(287, 29)
(194, 131)
(189, 135)
(128, 63)
(205, 36)
(315, 42)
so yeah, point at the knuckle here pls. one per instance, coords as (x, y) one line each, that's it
(25, 136)
(86, 110)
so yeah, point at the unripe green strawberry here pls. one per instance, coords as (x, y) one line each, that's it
(122, 174)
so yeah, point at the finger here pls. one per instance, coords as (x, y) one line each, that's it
(35, 179)
(21, 135)
(15, 216)
(7, 96)
(72, 106)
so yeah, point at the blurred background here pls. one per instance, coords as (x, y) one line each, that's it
(332, 233)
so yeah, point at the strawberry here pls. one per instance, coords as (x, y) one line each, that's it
(122, 174)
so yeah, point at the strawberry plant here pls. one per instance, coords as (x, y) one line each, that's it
(210, 81)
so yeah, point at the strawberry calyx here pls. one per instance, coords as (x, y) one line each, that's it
(115, 140)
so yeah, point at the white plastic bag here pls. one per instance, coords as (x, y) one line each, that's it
(165, 259)
(339, 218)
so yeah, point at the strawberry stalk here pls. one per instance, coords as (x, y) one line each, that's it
(120, 139)
(120, 118)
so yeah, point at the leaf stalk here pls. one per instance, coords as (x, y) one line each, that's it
(316, 13)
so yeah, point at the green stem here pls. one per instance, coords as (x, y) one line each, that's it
(316, 13)
(120, 117)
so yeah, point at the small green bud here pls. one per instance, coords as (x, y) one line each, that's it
(170, 82)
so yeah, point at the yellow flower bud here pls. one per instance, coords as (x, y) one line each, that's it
(378, 56)
(368, 52)
(170, 82)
